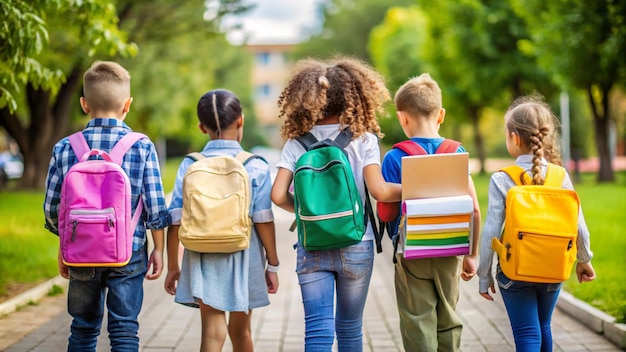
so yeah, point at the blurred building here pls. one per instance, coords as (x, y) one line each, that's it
(270, 73)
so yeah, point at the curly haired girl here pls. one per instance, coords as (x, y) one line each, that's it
(322, 98)
(531, 137)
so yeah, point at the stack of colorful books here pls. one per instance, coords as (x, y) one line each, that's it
(437, 227)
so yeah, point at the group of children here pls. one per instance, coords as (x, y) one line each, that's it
(322, 98)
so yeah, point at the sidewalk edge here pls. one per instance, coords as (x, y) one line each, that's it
(595, 319)
(34, 294)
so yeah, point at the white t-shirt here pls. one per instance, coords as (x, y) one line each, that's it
(362, 151)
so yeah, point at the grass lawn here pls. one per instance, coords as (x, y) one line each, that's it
(28, 251)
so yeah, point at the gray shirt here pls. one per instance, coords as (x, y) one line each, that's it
(499, 185)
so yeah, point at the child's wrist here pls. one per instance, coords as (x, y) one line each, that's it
(272, 268)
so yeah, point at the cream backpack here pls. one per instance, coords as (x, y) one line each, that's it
(216, 204)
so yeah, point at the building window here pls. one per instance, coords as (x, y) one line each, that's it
(263, 91)
(263, 58)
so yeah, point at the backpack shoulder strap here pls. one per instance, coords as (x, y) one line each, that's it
(195, 156)
(123, 145)
(244, 157)
(79, 144)
(555, 175)
(448, 146)
(306, 140)
(410, 147)
(343, 138)
(516, 173)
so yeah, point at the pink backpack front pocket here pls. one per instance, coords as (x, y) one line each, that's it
(80, 245)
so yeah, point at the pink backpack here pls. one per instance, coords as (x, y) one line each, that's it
(95, 224)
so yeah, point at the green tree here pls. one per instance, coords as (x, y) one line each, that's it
(19, 64)
(472, 51)
(46, 80)
(583, 44)
(346, 28)
(399, 49)
(81, 32)
(182, 62)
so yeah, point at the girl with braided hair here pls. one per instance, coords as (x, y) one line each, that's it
(532, 139)
(323, 98)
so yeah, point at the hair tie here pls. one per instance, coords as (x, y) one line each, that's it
(217, 119)
(323, 81)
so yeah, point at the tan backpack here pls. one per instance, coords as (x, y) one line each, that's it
(216, 204)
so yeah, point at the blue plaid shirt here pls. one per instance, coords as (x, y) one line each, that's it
(140, 163)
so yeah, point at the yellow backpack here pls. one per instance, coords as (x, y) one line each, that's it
(538, 242)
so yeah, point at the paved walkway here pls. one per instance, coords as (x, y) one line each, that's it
(166, 326)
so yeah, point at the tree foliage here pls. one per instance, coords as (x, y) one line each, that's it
(24, 37)
(471, 49)
(583, 44)
(399, 48)
(346, 28)
(79, 33)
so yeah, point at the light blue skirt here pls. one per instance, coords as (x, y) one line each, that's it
(230, 282)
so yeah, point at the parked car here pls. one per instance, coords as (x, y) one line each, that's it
(11, 166)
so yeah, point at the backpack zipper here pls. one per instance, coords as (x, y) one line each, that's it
(109, 210)
(324, 167)
(326, 216)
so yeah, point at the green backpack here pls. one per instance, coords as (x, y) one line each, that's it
(328, 207)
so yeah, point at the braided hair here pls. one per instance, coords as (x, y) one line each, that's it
(536, 125)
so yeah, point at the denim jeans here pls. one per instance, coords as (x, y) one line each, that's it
(529, 306)
(320, 273)
(123, 289)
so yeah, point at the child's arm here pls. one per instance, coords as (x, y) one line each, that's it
(469, 261)
(173, 267)
(380, 189)
(280, 190)
(157, 218)
(267, 234)
(52, 197)
(156, 257)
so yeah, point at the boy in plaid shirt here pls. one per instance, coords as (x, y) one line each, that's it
(107, 100)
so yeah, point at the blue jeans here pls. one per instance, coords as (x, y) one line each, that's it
(529, 306)
(86, 298)
(346, 270)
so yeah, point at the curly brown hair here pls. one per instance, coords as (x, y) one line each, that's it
(344, 87)
(536, 125)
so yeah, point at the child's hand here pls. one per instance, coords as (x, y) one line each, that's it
(64, 271)
(156, 262)
(585, 272)
(486, 295)
(469, 267)
(271, 279)
(171, 280)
